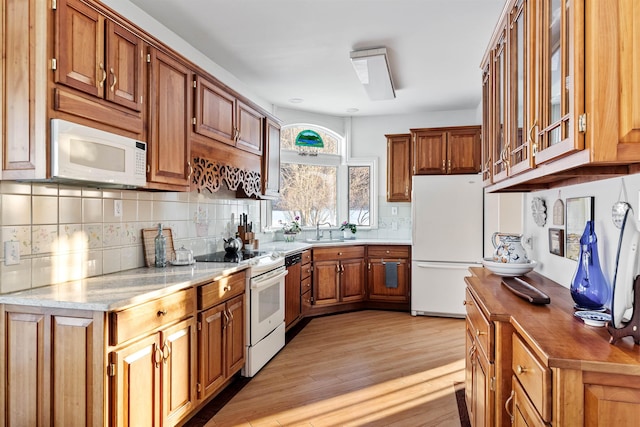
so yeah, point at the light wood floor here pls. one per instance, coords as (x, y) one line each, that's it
(367, 368)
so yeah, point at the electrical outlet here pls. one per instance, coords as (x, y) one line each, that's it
(394, 210)
(117, 208)
(11, 252)
(394, 225)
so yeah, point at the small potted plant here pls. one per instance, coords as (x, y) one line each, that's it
(349, 230)
(291, 229)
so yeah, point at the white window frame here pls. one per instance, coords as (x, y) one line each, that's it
(342, 161)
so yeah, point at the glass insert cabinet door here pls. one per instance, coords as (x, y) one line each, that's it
(559, 36)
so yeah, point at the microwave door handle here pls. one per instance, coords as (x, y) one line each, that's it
(257, 284)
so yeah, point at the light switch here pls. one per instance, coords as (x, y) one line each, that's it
(11, 252)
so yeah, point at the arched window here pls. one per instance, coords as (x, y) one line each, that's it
(318, 183)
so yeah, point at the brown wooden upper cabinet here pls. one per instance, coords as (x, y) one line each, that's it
(443, 151)
(399, 167)
(551, 113)
(170, 92)
(221, 116)
(271, 160)
(98, 56)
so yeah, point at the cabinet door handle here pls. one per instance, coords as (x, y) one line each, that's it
(466, 302)
(226, 319)
(190, 170)
(104, 75)
(443, 163)
(115, 79)
(533, 142)
(507, 405)
(157, 356)
(479, 332)
(166, 352)
(449, 165)
(520, 370)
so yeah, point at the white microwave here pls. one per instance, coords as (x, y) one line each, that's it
(92, 156)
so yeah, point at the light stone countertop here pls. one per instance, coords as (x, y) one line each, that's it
(117, 291)
(288, 248)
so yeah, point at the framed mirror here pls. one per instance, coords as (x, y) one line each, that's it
(579, 211)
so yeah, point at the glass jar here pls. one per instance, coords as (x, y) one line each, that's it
(589, 288)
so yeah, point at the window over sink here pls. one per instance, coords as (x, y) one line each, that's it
(324, 184)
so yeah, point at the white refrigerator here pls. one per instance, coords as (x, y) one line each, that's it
(447, 238)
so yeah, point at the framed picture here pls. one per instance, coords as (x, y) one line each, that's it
(579, 211)
(556, 241)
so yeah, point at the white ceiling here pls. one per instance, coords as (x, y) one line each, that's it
(285, 49)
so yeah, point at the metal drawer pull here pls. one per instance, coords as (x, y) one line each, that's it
(520, 370)
(162, 313)
(479, 332)
(466, 302)
(506, 406)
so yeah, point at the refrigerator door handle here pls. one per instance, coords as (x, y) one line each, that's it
(444, 265)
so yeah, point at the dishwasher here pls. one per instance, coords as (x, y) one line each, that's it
(292, 296)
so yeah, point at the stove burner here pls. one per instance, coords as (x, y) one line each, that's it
(224, 256)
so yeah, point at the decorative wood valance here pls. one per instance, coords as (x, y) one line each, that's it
(210, 176)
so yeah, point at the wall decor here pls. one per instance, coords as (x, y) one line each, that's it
(579, 211)
(556, 241)
(558, 211)
(620, 208)
(539, 211)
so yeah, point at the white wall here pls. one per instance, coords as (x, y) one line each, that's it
(606, 193)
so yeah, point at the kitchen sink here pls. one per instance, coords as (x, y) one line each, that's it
(324, 241)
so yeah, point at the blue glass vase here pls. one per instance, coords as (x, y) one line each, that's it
(589, 287)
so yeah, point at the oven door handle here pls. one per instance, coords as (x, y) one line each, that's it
(259, 284)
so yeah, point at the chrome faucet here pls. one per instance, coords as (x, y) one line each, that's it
(319, 235)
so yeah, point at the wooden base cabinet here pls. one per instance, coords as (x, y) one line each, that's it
(52, 367)
(152, 361)
(221, 330)
(154, 378)
(338, 275)
(377, 259)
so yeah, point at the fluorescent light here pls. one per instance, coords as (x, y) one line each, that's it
(372, 68)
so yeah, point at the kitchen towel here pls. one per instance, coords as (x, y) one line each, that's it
(391, 274)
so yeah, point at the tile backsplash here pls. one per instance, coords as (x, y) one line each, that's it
(66, 232)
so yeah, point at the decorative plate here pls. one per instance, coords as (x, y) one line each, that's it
(508, 269)
(593, 318)
(539, 211)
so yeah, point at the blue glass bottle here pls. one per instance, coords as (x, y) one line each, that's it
(589, 287)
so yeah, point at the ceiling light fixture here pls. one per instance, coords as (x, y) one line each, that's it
(372, 68)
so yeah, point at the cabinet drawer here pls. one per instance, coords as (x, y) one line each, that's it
(215, 292)
(305, 285)
(306, 256)
(480, 326)
(305, 271)
(388, 251)
(534, 376)
(135, 321)
(338, 253)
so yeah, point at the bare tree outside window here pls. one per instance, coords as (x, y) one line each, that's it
(359, 197)
(307, 191)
